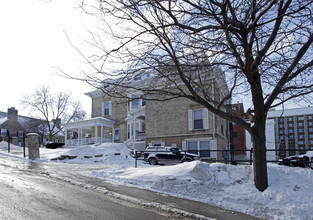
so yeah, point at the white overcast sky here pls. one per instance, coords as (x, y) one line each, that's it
(32, 42)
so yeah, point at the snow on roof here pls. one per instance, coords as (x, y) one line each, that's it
(2, 120)
(290, 112)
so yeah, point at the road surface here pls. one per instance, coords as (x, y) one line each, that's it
(62, 191)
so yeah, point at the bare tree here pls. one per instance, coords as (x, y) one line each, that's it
(263, 46)
(53, 107)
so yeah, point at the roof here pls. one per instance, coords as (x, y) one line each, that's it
(2, 120)
(21, 119)
(290, 112)
(149, 78)
(89, 122)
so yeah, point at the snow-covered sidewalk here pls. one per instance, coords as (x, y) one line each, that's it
(289, 195)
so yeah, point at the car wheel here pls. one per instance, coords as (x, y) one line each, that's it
(153, 161)
(186, 160)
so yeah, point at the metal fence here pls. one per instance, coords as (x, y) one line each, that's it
(227, 156)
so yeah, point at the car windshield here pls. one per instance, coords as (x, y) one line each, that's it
(174, 150)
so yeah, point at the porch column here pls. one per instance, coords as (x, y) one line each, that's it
(65, 140)
(96, 134)
(113, 134)
(80, 134)
(101, 134)
(134, 128)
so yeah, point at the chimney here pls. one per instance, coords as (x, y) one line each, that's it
(12, 114)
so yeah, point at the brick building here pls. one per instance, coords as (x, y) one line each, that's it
(237, 135)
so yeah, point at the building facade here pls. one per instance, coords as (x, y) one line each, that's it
(11, 128)
(140, 121)
(237, 135)
(293, 130)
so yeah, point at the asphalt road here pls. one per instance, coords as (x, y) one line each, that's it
(62, 191)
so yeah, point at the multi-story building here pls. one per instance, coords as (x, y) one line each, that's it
(293, 130)
(237, 135)
(140, 120)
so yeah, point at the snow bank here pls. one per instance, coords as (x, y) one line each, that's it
(289, 195)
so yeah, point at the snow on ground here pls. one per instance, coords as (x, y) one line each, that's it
(289, 195)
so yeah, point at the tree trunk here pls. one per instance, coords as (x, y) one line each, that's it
(259, 156)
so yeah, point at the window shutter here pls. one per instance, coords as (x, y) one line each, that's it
(110, 107)
(213, 147)
(205, 118)
(184, 145)
(190, 120)
(103, 108)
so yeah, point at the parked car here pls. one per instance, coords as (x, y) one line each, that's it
(54, 145)
(167, 155)
(301, 160)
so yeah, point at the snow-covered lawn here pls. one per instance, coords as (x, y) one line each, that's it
(289, 195)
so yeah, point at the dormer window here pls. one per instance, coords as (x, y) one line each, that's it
(137, 77)
(3, 132)
(105, 85)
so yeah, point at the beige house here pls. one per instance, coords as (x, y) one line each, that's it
(139, 122)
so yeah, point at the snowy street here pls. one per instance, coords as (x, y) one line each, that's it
(188, 190)
(28, 193)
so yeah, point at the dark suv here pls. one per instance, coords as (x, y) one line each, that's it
(167, 155)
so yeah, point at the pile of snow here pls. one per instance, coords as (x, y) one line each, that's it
(289, 195)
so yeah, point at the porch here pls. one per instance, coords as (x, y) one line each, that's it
(92, 131)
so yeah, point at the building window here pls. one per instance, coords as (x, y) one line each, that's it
(290, 118)
(20, 134)
(281, 131)
(300, 118)
(281, 125)
(310, 135)
(291, 137)
(3, 132)
(202, 148)
(281, 119)
(116, 134)
(310, 117)
(290, 125)
(310, 129)
(301, 136)
(136, 102)
(198, 119)
(300, 142)
(300, 124)
(300, 130)
(290, 131)
(282, 137)
(310, 123)
(106, 108)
